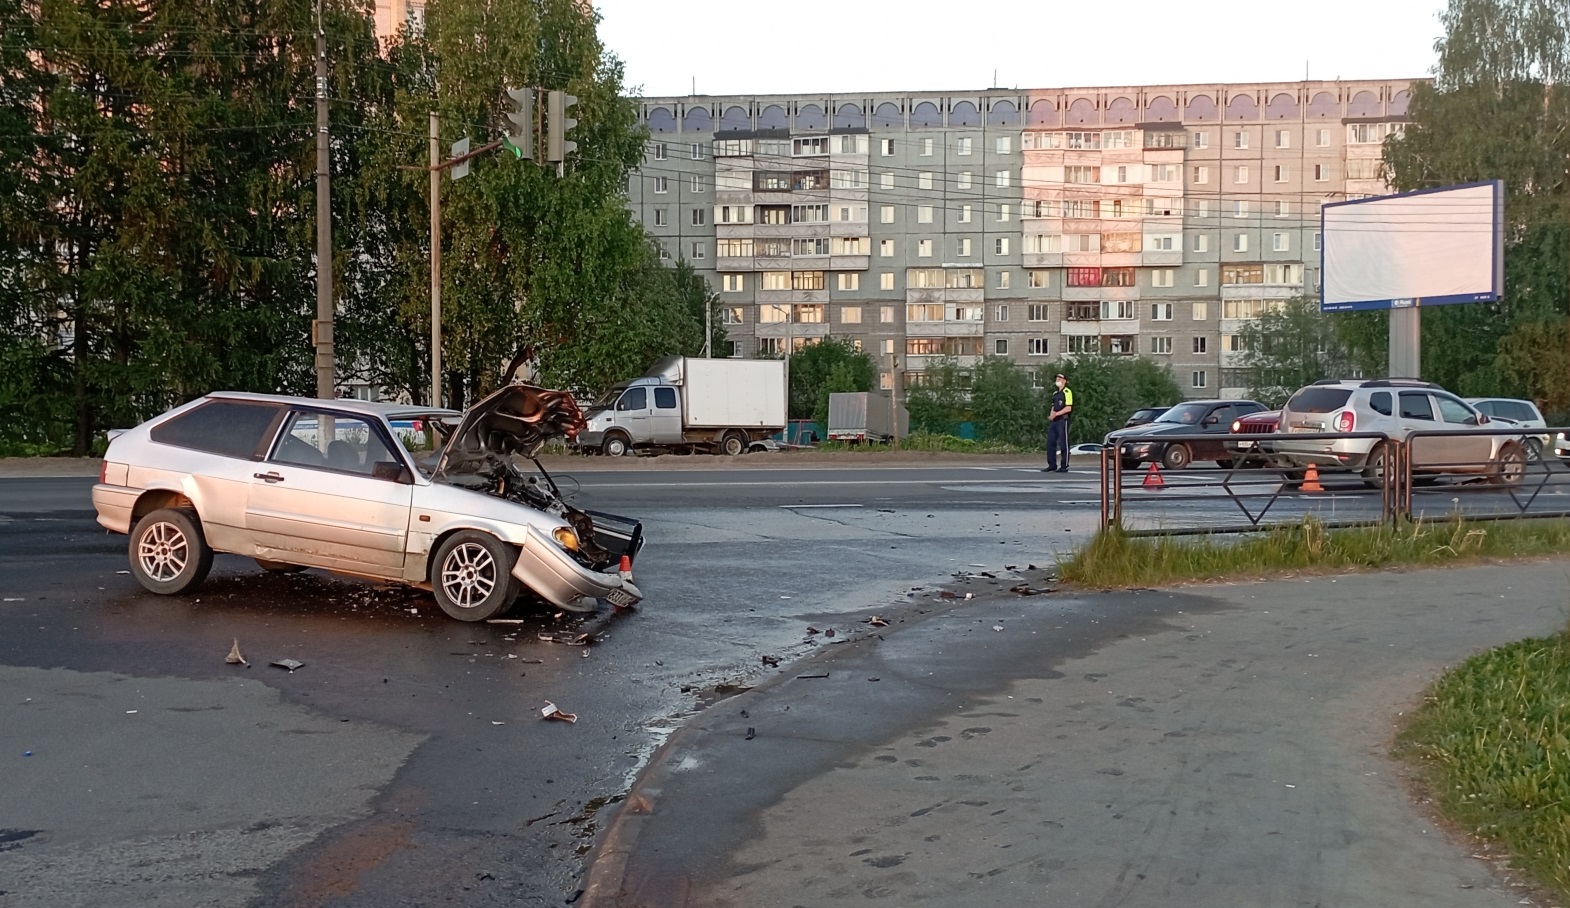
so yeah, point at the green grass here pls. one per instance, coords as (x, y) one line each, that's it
(1113, 559)
(1492, 744)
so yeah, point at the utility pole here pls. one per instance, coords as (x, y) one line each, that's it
(322, 328)
(436, 260)
(894, 398)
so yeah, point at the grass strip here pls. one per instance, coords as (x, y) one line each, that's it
(1113, 559)
(1492, 744)
(922, 441)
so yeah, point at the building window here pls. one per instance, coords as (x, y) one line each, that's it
(1202, 277)
(1083, 344)
(698, 183)
(1005, 145)
(886, 147)
(886, 214)
(923, 214)
(1000, 347)
(962, 180)
(1002, 179)
(806, 280)
(769, 314)
(1159, 173)
(886, 248)
(850, 245)
(1201, 139)
(924, 312)
(1161, 277)
(661, 218)
(926, 147)
(1283, 138)
(1084, 277)
(1161, 312)
(1240, 208)
(1322, 138)
(1201, 175)
(886, 280)
(1240, 139)
(734, 249)
(659, 151)
(1201, 242)
(1001, 314)
(1164, 243)
(1201, 312)
(1161, 346)
(886, 180)
(1200, 344)
(1038, 312)
(850, 280)
(924, 249)
(1039, 346)
(697, 152)
(1316, 241)
(662, 184)
(700, 216)
(776, 280)
(853, 144)
(850, 315)
(806, 246)
(814, 145)
(964, 214)
(700, 251)
(1321, 173)
(735, 283)
(1198, 379)
(1240, 174)
(924, 179)
(1003, 280)
(771, 346)
(732, 315)
(1003, 213)
(1117, 309)
(886, 315)
(1283, 209)
(1239, 242)
(1282, 171)
(1000, 246)
(1039, 279)
(962, 146)
(1081, 174)
(1278, 242)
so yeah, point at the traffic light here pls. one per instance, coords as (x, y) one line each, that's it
(557, 123)
(520, 122)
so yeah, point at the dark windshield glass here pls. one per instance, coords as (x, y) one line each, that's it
(1319, 400)
(1187, 414)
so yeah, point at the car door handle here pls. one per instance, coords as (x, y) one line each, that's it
(268, 477)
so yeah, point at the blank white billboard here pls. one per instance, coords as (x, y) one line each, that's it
(1426, 248)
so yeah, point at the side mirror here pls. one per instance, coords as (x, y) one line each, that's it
(1212, 420)
(1482, 419)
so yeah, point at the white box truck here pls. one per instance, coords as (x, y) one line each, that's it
(685, 403)
(864, 416)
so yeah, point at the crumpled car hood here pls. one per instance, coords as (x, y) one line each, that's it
(517, 419)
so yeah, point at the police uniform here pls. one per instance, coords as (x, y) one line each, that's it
(1057, 430)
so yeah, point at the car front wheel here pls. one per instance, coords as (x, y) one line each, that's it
(616, 445)
(1176, 457)
(1511, 466)
(471, 576)
(169, 554)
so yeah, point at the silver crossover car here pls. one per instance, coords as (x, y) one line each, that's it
(424, 497)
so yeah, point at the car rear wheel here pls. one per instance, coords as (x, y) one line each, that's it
(1534, 450)
(279, 567)
(616, 445)
(169, 554)
(471, 576)
(1177, 456)
(1510, 468)
(734, 444)
(1375, 468)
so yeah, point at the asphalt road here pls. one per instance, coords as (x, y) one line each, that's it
(406, 763)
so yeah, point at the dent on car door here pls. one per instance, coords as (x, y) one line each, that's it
(331, 493)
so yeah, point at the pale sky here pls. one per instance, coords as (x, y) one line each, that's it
(754, 47)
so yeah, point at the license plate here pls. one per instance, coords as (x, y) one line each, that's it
(621, 598)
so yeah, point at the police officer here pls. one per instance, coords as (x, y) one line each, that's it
(1057, 429)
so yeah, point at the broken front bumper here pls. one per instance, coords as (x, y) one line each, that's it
(544, 567)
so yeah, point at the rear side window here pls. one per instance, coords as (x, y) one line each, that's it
(1513, 409)
(665, 398)
(1318, 400)
(1415, 405)
(228, 427)
(1379, 402)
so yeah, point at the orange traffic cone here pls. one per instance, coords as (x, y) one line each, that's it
(1153, 478)
(1311, 480)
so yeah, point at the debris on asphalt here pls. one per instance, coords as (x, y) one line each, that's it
(550, 711)
(506, 621)
(829, 632)
(813, 675)
(876, 621)
(997, 627)
(290, 664)
(751, 733)
(874, 679)
(771, 661)
(970, 595)
(947, 594)
(494, 722)
(812, 630)
(234, 657)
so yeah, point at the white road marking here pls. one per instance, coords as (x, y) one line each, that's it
(792, 507)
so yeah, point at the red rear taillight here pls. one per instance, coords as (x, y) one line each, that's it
(103, 471)
(1346, 421)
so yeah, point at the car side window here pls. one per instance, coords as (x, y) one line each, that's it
(333, 441)
(665, 398)
(1453, 411)
(1379, 402)
(228, 427)
(1487, 407)
(634, 399)
(1223, 417)
(1415, 405)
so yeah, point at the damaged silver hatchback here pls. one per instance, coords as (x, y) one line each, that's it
(424, 497)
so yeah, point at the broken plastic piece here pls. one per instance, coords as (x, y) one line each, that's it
(550, 711)
(875, 621)
(234, 657)
(812, 630)
(290, 664)
(813, 675)
(751, 733)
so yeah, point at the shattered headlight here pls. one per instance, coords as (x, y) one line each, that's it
(566, 538)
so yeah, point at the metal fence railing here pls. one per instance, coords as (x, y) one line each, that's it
(1342, 479)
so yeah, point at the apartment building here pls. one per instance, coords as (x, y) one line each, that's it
(1149, 221)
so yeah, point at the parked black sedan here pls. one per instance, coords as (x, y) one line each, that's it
(1194, 417)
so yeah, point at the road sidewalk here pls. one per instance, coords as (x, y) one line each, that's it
(1214, 745)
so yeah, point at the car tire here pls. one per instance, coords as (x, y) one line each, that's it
(1510, 468)
(1534, 450)
(1224, 464)
(1292, 477)
(733, 444)
(169, 554)
(616, 445)
(1176, 456)
(1129, 463)
(471, 576)
(1375, 468)
(279, 567)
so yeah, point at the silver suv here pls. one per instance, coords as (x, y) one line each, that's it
(1397, 408)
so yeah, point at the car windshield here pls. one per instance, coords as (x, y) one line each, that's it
(1187, 414)
(421, 438)
(608, 399)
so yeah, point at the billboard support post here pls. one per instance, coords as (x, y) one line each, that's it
(1406, 342)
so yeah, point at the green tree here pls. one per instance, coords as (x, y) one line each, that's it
(1004, 405)
(1108, 388)
(940, 401)
(817, 370)
(1288, 347)
(1498, 108)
